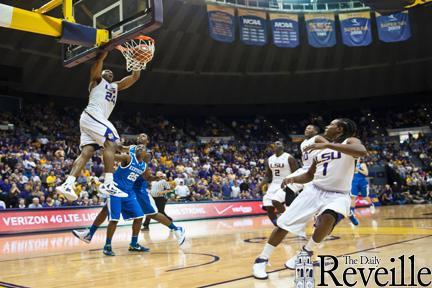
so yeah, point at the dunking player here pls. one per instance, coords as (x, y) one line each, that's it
(279, 166)
(328, 196)
(96, 130)
(359, 187)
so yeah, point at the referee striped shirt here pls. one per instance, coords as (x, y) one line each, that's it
(159, 186)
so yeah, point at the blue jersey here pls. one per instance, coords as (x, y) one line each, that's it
(140, 186)
(357, 174)
(125, 177)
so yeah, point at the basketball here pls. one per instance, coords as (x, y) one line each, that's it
(142, 53)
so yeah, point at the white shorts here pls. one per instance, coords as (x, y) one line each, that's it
(296, 188)
(312, 201)
(274, 192)
(279, 196)
(96, 130)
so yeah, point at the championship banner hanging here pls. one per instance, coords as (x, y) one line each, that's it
(221, 23)
(285, 28)
(356, 28)
(321, 30)
(253, 27)
(394, 27)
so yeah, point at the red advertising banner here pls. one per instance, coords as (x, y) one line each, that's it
(39, 220)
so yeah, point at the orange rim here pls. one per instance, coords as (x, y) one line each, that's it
(145, 38)
(139, 37)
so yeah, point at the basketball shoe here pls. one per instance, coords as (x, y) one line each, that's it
(291, 263)
(107, 250)
(83, 235)
(112, 190)
(180, 235)
(138, 248)
(68, 191)
(259, 269)
(352, 217)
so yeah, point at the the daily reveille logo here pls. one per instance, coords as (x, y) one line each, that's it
(362, 271)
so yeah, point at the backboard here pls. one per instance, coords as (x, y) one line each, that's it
(124, 19)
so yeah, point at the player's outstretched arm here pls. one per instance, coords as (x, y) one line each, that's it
(353, 147)
(149, 177)
(124, 159)
(96, 70)
(320, 139)
(128, 81)
(302, 178)
(123, 149)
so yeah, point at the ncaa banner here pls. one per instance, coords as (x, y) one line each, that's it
(253, 27)
(285, 29)
(321, 30)
(356, 28)
(394, 27)
(221, 23)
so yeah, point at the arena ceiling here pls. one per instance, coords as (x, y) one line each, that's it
(191, 68)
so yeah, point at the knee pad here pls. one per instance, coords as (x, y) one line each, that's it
(337, 216)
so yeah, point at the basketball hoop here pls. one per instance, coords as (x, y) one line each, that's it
(138, 52)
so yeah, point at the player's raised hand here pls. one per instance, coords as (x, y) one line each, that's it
(316, 146)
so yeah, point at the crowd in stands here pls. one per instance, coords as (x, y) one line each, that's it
(38, 151)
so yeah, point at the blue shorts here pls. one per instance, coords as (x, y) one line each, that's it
(147, 203)
(359, 187)
(128, 207)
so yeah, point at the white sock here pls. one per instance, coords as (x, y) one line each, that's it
(70, 180)
(311, 245)
(267, 251)
(109, 178)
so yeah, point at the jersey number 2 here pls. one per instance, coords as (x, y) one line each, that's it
(277, 172)
(110, 96)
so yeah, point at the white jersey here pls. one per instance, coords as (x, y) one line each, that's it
(308, 156)
(102, 99)
(280, 167)
(334, 171)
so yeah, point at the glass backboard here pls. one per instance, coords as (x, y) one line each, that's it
(124, 19)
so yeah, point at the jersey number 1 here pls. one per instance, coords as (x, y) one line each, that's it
(325, 168)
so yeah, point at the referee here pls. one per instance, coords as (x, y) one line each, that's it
(157, 191)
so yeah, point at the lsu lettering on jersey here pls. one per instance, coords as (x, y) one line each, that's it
(308, 156)
(334, 171)
(125, 177)
(280, 167)
(102, 99)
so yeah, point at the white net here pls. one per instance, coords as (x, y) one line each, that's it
(138, 52)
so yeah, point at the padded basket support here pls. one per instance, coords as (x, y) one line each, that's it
(77, 34)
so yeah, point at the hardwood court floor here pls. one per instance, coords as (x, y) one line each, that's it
(218, 253)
